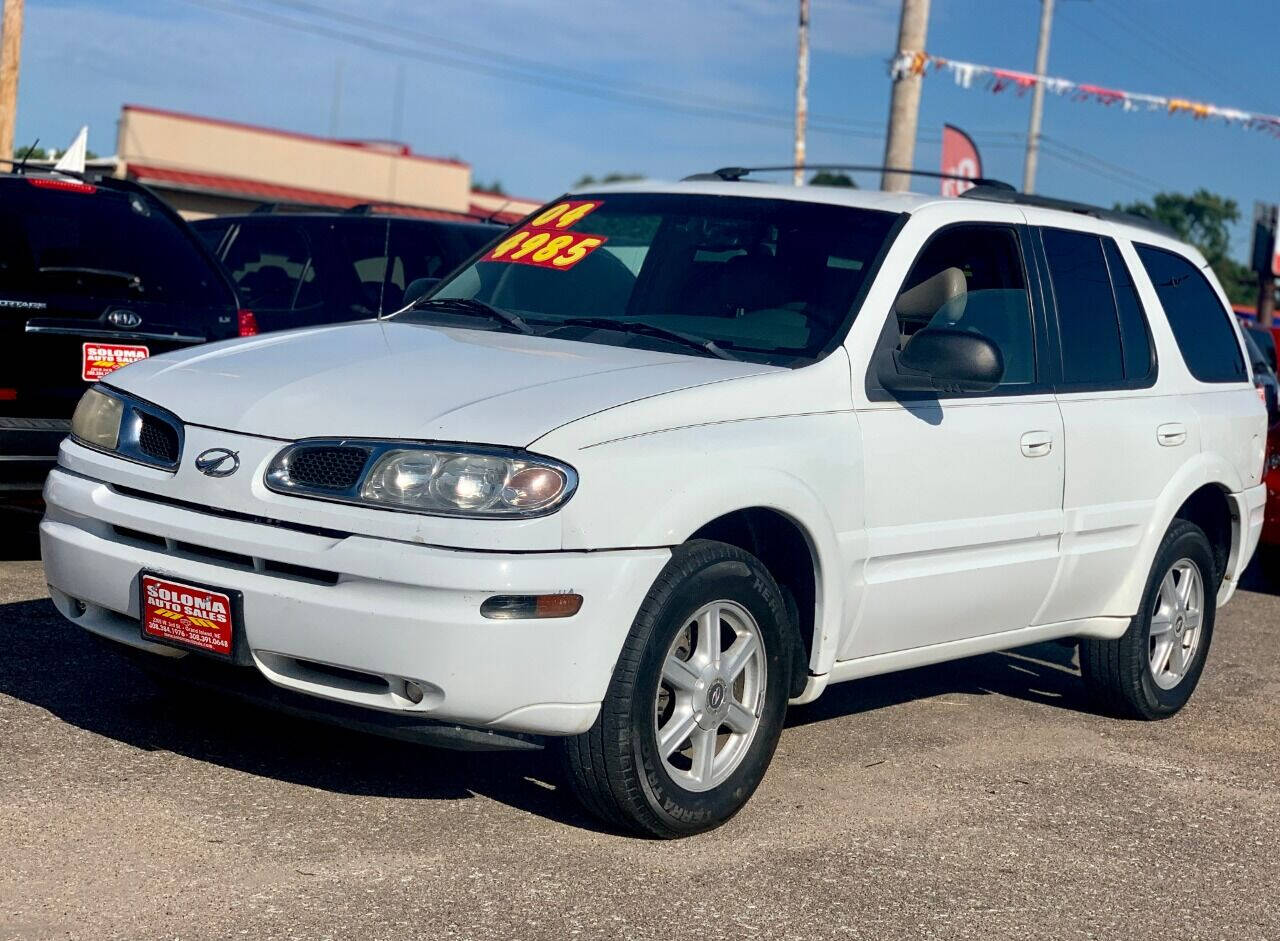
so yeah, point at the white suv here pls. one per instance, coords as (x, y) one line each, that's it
(665, 458)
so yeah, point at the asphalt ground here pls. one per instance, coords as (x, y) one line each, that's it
(979, 799)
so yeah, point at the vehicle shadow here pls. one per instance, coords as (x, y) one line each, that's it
(47, 662)
(1044, 673)
(50, 663)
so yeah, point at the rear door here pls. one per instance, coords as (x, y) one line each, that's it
(93, 276)
(1129, 429)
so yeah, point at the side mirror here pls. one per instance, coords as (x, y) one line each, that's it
(943, 359)
(419, 288)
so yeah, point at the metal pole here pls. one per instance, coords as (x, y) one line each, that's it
(10, 54)
(1037, 98)
(904, 100)
(802, 92)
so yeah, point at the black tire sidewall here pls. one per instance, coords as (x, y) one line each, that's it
(1189, 542)
(744, 581)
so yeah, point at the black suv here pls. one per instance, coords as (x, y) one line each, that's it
(93, 275)
(294, 269)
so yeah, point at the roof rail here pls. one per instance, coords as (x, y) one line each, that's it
(1000, 195)
(734, 174)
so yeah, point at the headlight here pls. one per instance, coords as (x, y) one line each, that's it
(438, 479)
(96, 421)
(109, 420)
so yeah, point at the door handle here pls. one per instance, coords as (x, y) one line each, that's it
(1036, 443)
(1171, 434)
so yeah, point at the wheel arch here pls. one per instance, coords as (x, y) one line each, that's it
(1202, 493)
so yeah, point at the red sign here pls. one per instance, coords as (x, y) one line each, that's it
(102, 358)
(187, 615)
(959, 158)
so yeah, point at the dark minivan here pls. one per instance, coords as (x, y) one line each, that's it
(295, 269)
(93, 275)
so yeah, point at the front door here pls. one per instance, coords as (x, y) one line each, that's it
(963, 499)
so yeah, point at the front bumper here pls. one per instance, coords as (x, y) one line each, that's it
(380, 611)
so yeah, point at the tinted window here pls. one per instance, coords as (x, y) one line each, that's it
(1200, 322)
(415, 252)
(106, 245)
(1134, 332)
(1087, 321)
(272, 266)
(766, 279)
(971, 278)
(363, 245)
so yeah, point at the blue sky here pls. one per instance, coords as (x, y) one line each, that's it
(506, 112)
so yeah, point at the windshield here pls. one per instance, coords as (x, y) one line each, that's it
(105, 245)
(768, 280)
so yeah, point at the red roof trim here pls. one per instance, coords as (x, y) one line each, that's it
(295, 135)
(272, 192)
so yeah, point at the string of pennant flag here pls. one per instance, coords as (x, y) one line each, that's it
(968, 74)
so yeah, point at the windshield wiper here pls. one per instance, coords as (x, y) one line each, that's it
(471, 306)
(647, 329)
(135, 281)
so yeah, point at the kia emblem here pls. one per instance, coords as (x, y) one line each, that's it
(218, 462)
(124, 318)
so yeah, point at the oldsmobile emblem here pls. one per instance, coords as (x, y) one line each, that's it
(218, 462)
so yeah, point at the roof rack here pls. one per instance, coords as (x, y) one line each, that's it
(1002, 195)
(734, 174)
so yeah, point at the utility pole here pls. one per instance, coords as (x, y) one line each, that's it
(10, 53)
(1037, 98)
(802, 92)
(904, 101)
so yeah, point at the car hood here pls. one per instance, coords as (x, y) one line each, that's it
(383, 379)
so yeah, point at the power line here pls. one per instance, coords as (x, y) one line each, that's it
(538, 67)
(1138, 178)
(1166, 45)
(544, 79)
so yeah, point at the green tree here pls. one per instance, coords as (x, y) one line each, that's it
(494, 187)
(29, 152)
(1203, 219)
(828, 178)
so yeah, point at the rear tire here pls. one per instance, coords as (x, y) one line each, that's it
(697, 700)
(1152, 669)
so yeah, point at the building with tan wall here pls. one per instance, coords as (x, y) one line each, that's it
(208, 166)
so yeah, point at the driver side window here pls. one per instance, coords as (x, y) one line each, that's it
(971, 277)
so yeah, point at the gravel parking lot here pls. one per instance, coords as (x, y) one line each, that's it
(974, 800)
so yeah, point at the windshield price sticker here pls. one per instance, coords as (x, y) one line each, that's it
(547, 247)
(102, 358)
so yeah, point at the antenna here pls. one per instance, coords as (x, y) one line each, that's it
(21, 166)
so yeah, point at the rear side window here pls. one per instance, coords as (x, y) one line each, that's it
(272, 265)
(1088, 324)
(1199, 321)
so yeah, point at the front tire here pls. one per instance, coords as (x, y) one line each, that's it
(1152, 669)
(696, 704)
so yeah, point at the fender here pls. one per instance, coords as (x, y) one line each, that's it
(658, 489)
(1204, 468)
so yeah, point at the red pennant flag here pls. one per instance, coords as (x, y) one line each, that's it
(959, 158)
